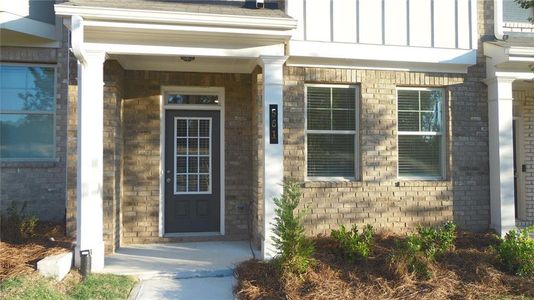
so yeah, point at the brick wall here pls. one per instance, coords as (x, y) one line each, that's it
(525, 109)
(40, 184)
(380, 198)
(257, 163)
(141, 159)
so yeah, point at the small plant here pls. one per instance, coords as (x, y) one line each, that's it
(516, 252)
(295, 249)
(435, 242)
(27, 226)
(421, 249)
(355, 245)
(16, 226)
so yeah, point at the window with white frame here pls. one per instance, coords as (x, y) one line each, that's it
(331, 131)
(27, 110)
(421, 138)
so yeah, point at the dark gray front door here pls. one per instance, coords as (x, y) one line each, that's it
(192, 171)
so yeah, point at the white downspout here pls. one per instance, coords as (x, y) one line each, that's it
(498, 19)
(77, 38)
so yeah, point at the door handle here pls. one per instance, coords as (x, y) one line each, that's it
(168, 180)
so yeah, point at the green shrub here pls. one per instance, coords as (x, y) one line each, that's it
(16, 227)
(516, 252)
(420, 250)
(295, 249)
(355, 245)
(435, 242)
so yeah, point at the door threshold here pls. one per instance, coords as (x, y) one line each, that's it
(192, 234)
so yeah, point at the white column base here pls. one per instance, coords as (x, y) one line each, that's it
(97, 257)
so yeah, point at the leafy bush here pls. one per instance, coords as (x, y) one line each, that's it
(16, 226)
(516, 252)
(434, 241)
(355, 245)
(295, 249)
(420, 250)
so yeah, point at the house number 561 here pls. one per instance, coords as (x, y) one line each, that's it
(273, 123)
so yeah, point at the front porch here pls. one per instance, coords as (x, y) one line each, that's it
(511, 116)
(167, 149)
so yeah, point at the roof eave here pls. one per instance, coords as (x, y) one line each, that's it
(174, 17)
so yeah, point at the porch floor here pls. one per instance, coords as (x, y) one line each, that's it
(178, 260)
(202, 270)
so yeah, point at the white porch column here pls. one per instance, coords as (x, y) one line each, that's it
(501, 150)
(273, 160)
(90, 109)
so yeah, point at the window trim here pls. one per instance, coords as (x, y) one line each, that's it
(54, 157)
(355, 132)
(443, 133)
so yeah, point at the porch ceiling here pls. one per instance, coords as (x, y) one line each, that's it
(174, 63)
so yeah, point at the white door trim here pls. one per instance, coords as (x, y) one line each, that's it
(191, 90)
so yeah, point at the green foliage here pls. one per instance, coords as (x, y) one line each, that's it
(516, 252)
(434, 242)
(295, 249)
(420, 250)
(21, 288)
(96, 286)
(526, 4)
(355, 245)
(16, 226)
(103, 286)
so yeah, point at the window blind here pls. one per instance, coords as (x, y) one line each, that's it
(420, 136)
(331, 131)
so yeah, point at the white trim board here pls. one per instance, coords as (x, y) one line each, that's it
(176, 17)
(191, 90)
(327, 54)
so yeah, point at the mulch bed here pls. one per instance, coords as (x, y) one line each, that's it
(469, 272)
(18, 259)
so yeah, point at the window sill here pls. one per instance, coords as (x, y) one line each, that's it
(390, 183)
(312, 183)
(45, 163)
(406, 182)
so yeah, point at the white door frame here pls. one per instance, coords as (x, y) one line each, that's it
(191, 90)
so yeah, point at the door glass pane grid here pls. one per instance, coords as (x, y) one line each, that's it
(193, 155)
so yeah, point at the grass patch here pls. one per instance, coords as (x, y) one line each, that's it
(103, 286)
(97, 286)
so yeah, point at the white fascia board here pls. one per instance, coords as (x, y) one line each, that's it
(374, 65)
(501, 54)
(387, 54)
(515, 75)
(184, 18)
(521, 51)
(107, 28)
(133, 49)
(28, 26)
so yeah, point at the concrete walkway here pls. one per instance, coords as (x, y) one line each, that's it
(200, 271)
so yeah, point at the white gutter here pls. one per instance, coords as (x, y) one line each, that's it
(185, 18)
(498, 19)
(77, 38)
